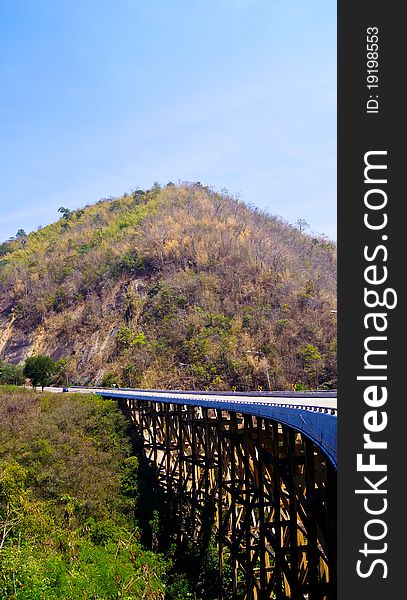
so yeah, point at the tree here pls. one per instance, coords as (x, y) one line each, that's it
(11, 374)
(39, 369)
(66, 212)
(126, 337)
(60, 373)
(311, 358)
(13, 497)
(21, 233)
(302, 225)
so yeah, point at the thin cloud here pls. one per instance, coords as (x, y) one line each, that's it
(11, 217)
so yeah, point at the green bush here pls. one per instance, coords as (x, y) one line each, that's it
(11, 374)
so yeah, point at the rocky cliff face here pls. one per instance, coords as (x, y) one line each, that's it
(172, 287)
(85, 333)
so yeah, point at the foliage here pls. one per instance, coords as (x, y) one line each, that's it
(311, 360)
(68, 490)
(11, 374)
(39, 369)
(126, 337)
(110, 379)
(59, 372)
(66, 212)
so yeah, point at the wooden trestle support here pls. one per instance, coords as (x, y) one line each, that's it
(274, 492)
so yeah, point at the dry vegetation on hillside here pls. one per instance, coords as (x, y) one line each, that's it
(176, 287)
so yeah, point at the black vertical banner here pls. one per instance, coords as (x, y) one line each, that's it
(372, 239)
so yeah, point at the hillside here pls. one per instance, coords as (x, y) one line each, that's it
(174, 287)
(68, 503)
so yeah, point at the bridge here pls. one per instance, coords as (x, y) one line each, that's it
(259, 470)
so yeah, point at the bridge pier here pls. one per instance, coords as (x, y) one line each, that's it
(272, 491)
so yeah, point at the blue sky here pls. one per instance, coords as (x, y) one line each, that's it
(99, 98)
